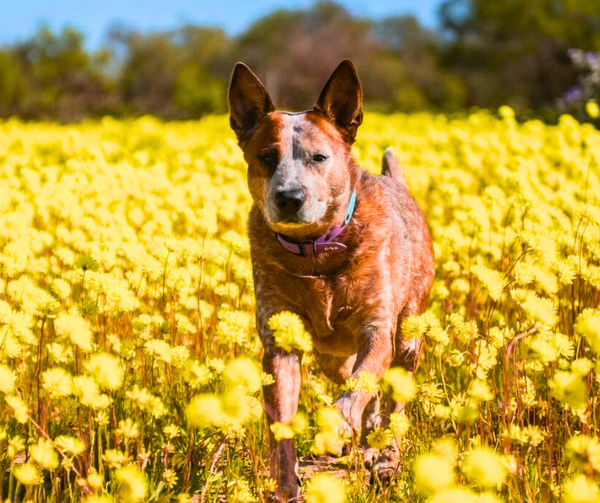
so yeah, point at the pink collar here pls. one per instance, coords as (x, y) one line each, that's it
(322, 244)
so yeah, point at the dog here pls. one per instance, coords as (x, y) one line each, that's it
(349, 252)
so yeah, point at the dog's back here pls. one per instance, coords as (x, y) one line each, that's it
(411, 240)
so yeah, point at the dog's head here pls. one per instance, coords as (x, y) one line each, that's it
(298, 163)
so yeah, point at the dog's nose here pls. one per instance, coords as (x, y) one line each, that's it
(289, 201)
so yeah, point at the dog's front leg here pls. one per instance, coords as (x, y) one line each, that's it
(374, 357)
(281, 405)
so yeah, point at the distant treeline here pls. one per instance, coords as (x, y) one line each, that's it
(485, 54)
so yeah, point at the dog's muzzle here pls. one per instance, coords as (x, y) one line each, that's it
(289, 202)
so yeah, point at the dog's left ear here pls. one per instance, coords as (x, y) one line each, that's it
(248, 100)
(341, 100)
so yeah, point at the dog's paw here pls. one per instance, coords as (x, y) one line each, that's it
(370, 455)
(285, 494)
(386, 467)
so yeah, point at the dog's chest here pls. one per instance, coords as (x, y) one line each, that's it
(332, 316)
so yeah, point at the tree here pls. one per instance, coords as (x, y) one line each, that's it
(12, 83)
(419, 48)
(515, 52)
(180, 73)
(62, 79)
(294, 51)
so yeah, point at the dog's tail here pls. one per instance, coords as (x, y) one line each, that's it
(390, 166)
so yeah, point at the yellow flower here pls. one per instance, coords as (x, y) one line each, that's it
(447, 448)
(159, 348)
(46, 306)
(413, 326)
(480, 391)
(107, 370)
(485, 468)
(16, 445)
(7, 379)
(61, 288)
(128, 429)
(179, 356)
(170, 478)
(19, 408)
(87, 389)
(540, 349)
(467, 332)
(492, 280)
(133, 484)
(114, 458)
(402, 384)
(97, 499)
(584, 453)
(323, 488)
(239, 244)
(581, 490)
(196, 374)
(281, 431)
(592, 109)
(289, 332)
(569, 388)
(299, 423)
(380, 438)
(433, 473)
(239, 492)
(76, 329)
(582, 366)
(172, 431)
(71, 445)
(243, 372)
(399, 424)
(531, 434)
(27, 474)
(95, 481)
(205, 410)
(330, 426)
(588, 325)
(44, 455)
(506, 112)
(462, 495)
(442, 412)
(134, 235)
(540, 309)
(366, 382)
(57, 382)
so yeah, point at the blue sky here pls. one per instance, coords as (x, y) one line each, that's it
(20, 18)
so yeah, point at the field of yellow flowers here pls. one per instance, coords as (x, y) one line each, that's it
(129, 361)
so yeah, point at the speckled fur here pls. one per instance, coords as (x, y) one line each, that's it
(351, 302)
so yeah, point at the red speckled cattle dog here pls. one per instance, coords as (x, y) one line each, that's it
(347, 251)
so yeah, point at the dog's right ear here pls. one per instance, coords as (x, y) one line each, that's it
(249, 101)
(341, 100)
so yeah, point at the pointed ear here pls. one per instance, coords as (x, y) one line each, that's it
(341, 100)
(249, 101)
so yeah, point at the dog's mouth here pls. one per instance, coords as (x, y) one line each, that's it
(292, 223)
(297, 228)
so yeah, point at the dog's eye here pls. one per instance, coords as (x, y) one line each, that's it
(319, 158)
(268, 158)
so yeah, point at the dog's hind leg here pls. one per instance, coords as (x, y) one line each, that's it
(408, 355)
